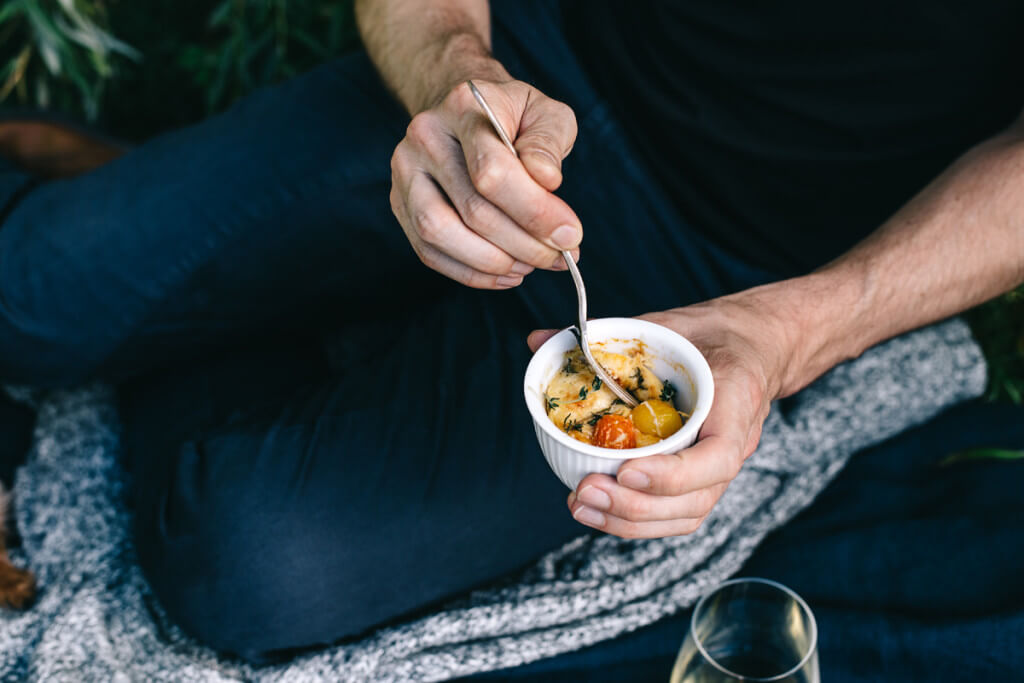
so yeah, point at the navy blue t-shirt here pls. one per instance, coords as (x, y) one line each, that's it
(788, 130)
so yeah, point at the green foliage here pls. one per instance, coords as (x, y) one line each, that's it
(981, 454)
(57, 54)
(999, 328)
(255, 42)
(191, 57)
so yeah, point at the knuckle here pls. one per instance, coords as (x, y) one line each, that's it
(460, 98)
(426, 257)
(677, 480)
(427, 227)
(637, 508)
(419, 126)
(475, 211)
(488, 174)
(399, 161)
(496, 263)
(705, 501)
(734, 465)
(422, 131)
(395, 199)
(539, 222)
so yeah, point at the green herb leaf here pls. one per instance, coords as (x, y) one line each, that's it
(597, 384)
(570, 425)
(569, 367)
(583, 393)
(552, 403)
(639, 377)
(668, 392)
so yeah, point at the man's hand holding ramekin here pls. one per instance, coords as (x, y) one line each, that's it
(672, 494)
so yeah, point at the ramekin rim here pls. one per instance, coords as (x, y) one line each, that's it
(705, 397)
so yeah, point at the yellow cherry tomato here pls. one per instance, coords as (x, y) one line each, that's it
(657, 418)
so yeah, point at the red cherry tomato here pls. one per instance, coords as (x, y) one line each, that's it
(614, 431)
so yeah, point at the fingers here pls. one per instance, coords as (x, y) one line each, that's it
(503, 179)
(646, 516)
(713, 460)
(446, 245)
(538, 337)
(662, 495)
(603, 493)
(487, 220)
(728, 435)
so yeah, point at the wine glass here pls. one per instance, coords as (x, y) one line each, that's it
(749, 630)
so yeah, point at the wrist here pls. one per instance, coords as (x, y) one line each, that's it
(454, 58)
(808, 325)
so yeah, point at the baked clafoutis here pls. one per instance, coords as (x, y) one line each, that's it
(581, 406)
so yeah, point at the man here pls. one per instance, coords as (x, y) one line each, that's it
(325, 436)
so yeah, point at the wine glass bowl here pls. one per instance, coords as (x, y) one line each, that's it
(749, 630)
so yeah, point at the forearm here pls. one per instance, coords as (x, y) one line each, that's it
(423, 48)
(959, 242)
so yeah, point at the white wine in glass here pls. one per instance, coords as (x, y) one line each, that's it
(749, 630)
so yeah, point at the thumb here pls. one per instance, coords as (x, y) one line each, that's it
(538, 337)
(547, 132)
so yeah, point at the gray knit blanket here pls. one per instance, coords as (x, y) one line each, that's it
(96, 620)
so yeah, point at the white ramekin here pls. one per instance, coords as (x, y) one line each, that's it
(675, 359)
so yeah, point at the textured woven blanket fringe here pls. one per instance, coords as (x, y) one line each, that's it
(96, 620)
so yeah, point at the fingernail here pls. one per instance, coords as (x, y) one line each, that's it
(566, 236)
(520, 268)
(508, 281)
(634, 479)
(585, 515)
(595, 498)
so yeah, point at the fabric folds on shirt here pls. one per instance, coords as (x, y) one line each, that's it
(790, 130)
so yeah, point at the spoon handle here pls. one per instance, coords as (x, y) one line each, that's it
(581, 292)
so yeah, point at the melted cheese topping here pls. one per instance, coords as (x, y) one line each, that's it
(576, 399)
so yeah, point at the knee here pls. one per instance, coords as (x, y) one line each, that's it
(226, 599)
(247, 570)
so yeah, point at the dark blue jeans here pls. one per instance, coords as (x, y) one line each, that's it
(324, 436)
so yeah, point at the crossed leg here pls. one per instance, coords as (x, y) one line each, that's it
(312, 500)
(291, 491)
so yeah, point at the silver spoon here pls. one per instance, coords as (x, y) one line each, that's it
(580, 330)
